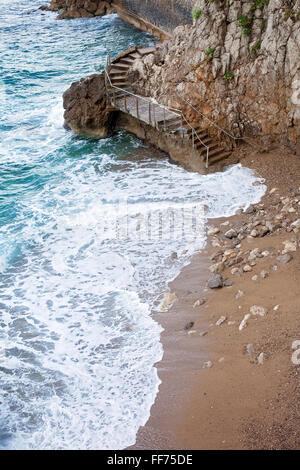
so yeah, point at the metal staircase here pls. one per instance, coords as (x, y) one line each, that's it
(165, 119)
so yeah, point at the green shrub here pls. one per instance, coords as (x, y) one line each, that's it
(261, 3)
(228, 75)
(255, 47)
(245, 20)
(196, 13)
(295, 15)
(210, 51)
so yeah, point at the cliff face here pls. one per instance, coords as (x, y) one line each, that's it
(86, 107)
(239, 64)
(165, 14)
(80, 8)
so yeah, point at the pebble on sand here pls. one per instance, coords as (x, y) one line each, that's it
(244, 323)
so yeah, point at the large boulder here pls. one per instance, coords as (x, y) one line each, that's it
(86, 109)
(68, 9)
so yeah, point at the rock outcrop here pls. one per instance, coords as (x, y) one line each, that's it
(239, 64)
(86, 109)
(68, 9)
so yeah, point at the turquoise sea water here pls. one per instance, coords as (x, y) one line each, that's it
(77, 340)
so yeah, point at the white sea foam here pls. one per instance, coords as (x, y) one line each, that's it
(80, 336)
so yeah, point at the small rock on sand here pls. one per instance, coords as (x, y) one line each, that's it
(264, 273)
(289, 246)
(199, 302)
(217, 267)
(239, 294)
(215, 281)
(221, 320)
(250, 349)
(284, 259)
(203, 333)
(189, 325)
(243, 323)
(247, 268)
(207, 365)
(213, 231)
(231, 234)
(261, 358)
(168, 301)
(258, 310)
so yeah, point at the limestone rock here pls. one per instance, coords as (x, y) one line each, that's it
(289, 246)
(284, 259)
(85, 107)
(168, 301)
(231, 233)
(215, 281)
(221, 320)
(244, 323)
(258, 310)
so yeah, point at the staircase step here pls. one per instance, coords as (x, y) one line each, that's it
(119, 66)
(212, 145)
(121, 84)
(118, 73)
(135, 55)
(221, 156)
(216, 152)
(198, 129)
(169, 119)
(117, 79)
(126, 61)
(175, 126)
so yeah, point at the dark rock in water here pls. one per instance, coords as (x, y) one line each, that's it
(285, 258)
(189, 325)
(174, 255)
(85, 107)
(215, 281)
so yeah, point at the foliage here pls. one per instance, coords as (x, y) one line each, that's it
(197, 13)
(228, 75)
(294, 15)
(210, 51)
(255, 47)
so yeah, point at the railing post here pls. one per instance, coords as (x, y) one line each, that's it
(149, 112)
(137, 108)
(164, 119)
(207, 149)
(154, 115)
(125, 104)
(114, 97)
(193, 138)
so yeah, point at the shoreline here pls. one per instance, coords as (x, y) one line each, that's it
(215, 393)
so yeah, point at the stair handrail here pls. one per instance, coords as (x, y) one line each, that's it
(178, 112)
(212, 122)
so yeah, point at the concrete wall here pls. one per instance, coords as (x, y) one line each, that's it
(165, 14)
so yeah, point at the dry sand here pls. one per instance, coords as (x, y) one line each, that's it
(236, 403)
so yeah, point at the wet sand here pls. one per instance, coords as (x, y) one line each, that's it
(233, 402)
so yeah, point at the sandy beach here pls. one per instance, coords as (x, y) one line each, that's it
(227, 385)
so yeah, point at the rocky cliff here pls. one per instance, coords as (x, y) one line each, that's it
(86, 107)
(239, 64)
(80, 8)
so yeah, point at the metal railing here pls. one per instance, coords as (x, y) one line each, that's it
(151, 110)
